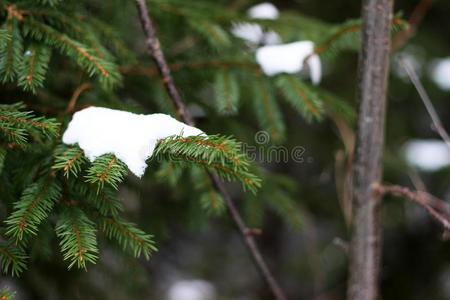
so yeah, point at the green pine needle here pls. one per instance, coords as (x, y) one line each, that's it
(77, 238)
(301, 97)
(128, 236)
(12, 258)
(32, 208)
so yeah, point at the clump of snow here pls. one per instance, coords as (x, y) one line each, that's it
(254, 34)
(440, 73)
(192, 290)
(264, 10)
(132, 138)
(290, 58)
(428, 155)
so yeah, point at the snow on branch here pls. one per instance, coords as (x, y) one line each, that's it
(114, 140)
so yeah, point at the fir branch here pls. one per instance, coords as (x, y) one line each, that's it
(301, 97)
(17, 124)
(6, 294)
(33, 67)
(12, 258)
(32, 208)
(213, 33)
(84, 56)
(78, 240)
(348, 37)
(11, 50)
(267, 110)
(128, 236)
(69, 159)
(106, 169)
(216, 153)
(212, 202)
(226, 88)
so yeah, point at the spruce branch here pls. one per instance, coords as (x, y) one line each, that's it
(154, 50)
(6, 294)
(32, 208)
(106, 169)
(17, 125)
(77, 238)
(347, 36)
(11, 49)
(267, 110)
(128, 236)
(226, 88)
(12, 258)
(84, 56)
(69, 160)
(33, 67)
(301, 97)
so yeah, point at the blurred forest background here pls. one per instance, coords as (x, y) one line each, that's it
(305, 244)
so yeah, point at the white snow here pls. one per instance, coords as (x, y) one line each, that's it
(254, 34)
(192, 290)
(428, 155)
(264, 10)
(289, 58)
(440, 73)
(131, 137)
(249, 32)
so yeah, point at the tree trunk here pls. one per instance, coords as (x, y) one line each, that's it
(373, 74)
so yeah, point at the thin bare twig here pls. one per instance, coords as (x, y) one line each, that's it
(436, 208)
(76, 94)
(154, 49)
(426, 100)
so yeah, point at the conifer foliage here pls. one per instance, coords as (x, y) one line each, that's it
(45, 182)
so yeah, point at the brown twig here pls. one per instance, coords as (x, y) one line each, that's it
(75, 95)
(425, 99)
(436, 208)
(154, 49)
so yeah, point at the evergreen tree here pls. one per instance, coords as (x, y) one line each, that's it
(58, 57)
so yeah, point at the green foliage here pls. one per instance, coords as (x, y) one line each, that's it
(12, 258)
(34, 206)
(77, 238)
(301, 97)
(83, 55)
(227, 92)
(106, 169)
(347, 36)
(11, 48)
(216, 153)
(213, 33)
(6, 294)
(32, 69)
(128, 236)
(268, 111)
(17, 125)
(69, 160)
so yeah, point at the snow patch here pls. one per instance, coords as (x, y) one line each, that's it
(440, 73)
(290, 58)
(192, 290)
(264, 10)
(254, 34)
(428, 155)
(132, 138)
